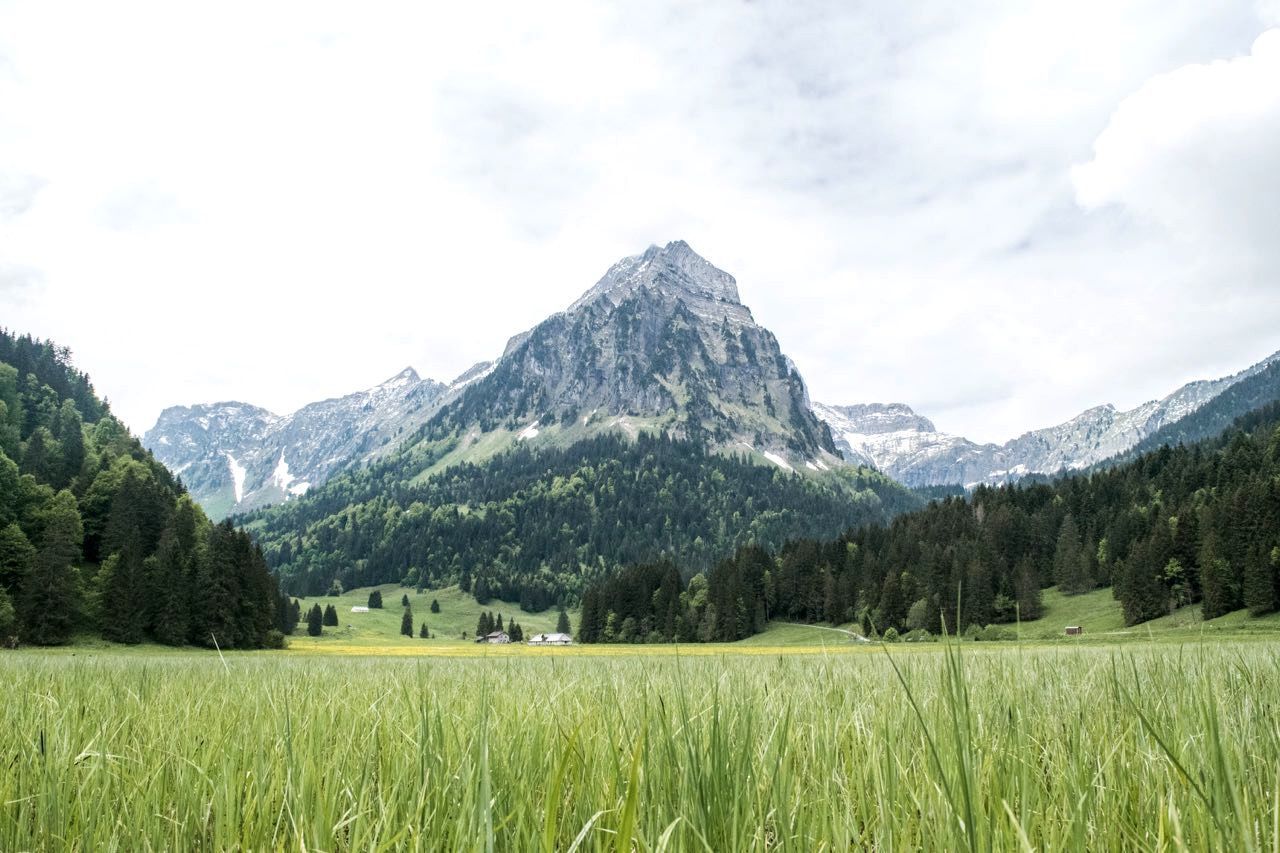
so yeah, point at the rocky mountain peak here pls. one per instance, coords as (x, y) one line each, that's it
(662, 339)
(676, 270)
(880, 418)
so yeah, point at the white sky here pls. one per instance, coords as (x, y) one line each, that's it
(1000, 213)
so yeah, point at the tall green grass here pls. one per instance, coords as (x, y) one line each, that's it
(1006, 748)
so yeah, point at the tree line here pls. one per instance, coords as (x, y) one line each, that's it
(1176, 526)
(98, 537)
(537, 527)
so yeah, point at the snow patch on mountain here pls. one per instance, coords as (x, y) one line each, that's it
(238, 473)
(778, 460)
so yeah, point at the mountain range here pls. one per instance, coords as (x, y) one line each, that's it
(909, 448)
(660, 344)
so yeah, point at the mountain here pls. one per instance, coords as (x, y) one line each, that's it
(661, 343)
(234, 457)
(909, 448)
(652, 419)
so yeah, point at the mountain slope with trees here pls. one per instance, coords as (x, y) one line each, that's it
(538, 526)
(98, 537)
(1178, 525)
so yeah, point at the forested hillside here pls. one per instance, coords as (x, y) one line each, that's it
(538, 526)
(98, 537)
(1209, 421)
(1174, 527)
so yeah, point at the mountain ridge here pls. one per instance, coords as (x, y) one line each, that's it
(917, 454)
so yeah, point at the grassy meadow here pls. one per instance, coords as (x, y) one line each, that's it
(981, 747)
(1165, 738)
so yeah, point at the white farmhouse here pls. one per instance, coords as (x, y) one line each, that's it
(551, 640)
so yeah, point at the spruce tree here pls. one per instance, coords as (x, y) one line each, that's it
(499, 628)
(1068, 562)
(423, 632)
(404, 600)
(562, 622)
(315, 621)
(406, 622)
(1259, 581)
(331, 616)
(119, 598)
(8, 619)
(16, 556)
(51, 593)
(375, 600)
(169, 589)
(435, 606)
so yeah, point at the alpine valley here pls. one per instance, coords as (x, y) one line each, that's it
(652, 419)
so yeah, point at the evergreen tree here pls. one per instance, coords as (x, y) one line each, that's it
(375, 600)
(562, 622)
(435, 606)
(406, 623)
(315, 621)
(1068, 560)
(16, 556)
(170, 578)
(423, 632)
(120, 598)
(404, 600)
(1029, 597)
(499, 623)
(8, 619)
(331, 616)
(1259, 581)
(51, 593)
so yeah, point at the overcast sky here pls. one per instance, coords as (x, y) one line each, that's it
(1000, 213)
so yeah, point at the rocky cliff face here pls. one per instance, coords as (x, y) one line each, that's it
(234, 456)
(909, 448)
(662, 341)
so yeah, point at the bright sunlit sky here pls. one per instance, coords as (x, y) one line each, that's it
(999, 213)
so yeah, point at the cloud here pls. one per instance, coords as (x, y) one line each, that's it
(293, 200)
(17, 193)
(16, 280)
(141, 206)
(1197, 151)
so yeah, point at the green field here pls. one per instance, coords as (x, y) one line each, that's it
(378, 632)
(977, 746)
(381, 628)
(1161, 737)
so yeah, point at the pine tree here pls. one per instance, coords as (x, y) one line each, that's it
(406, 622)
(375, 600)
(16, 557)
(499, 628)
(169, 591)
(1259, 582)
(562, 622)
(1067, 558)
(1029, 596)
(435, 606)
(423, 633)
(404, 600)
(331, 616)
(8, 619)
(119, 598)
(51, 594)
(315, 621)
